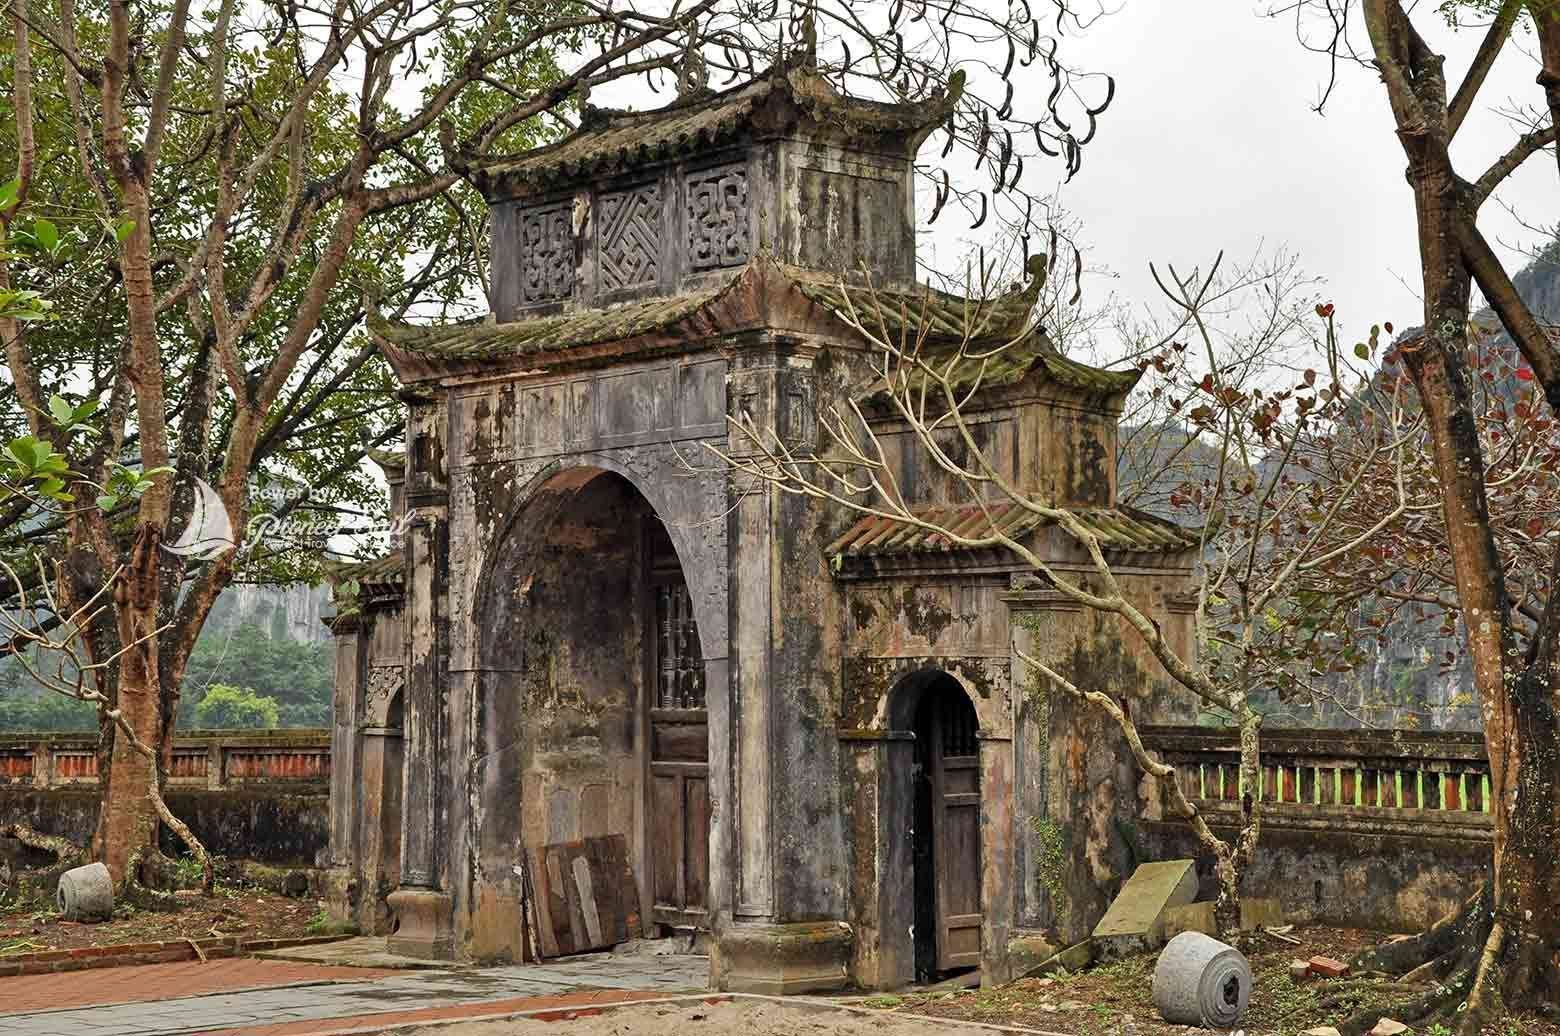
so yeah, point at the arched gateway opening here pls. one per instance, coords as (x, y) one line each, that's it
(945, 831)
(592, 696)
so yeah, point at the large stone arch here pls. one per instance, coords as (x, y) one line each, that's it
(559, 686)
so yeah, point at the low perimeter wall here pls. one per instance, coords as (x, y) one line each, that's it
(1372, 829)
(252, 794)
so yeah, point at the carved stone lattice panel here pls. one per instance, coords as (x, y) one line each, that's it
(718, 222)
(384, 683)
(630, 237)
(546, 254)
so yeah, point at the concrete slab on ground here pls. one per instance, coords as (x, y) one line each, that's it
(364, 951)
(1135, 920)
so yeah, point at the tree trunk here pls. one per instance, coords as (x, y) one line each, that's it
(1502, 947)
(127, 820)
(1226, 909)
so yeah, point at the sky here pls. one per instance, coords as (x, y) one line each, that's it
(1212, 142)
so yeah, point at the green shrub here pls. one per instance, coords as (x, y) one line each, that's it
(225, 707)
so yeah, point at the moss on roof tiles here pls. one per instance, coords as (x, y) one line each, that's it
(609, 138)
(992, 340)
(897, 312)
(389, 570)
(625, 137)
(539, 335)
(1116, 528)
(999, 349)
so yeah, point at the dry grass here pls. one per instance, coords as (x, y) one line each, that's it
(251, 913)
(1117, 999)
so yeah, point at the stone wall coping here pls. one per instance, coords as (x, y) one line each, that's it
(1324, 743)
(285, 737)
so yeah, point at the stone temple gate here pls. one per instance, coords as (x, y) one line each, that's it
(809, 728)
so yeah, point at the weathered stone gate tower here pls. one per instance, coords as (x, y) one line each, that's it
(807, 727)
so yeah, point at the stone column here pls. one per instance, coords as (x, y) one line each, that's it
(879, 763)
(786, 931)
(997, 877)
(340, 894)
(344, 721)
(421, 904)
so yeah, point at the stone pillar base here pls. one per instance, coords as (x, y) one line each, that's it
(425, 916)
(782, 959)
(341, 895)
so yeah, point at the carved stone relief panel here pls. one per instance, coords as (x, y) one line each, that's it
(719, 225)
(384, 683)
(546, 253)
(630, 237)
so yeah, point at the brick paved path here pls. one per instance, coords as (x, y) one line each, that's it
(145, 982)
(565, 1005)
(364, 996)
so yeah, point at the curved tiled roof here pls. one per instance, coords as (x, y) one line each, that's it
(992, 340)
(609, 139)
(387, 572)
(1116, 528)
(479, 340)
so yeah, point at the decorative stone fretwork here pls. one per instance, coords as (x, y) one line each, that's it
(718, 223)
(384, 683)
(630, 237)
(546, 254)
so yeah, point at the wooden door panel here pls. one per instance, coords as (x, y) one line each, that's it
(665, 848)
(696, 865)
(679, 813)
(956, 830)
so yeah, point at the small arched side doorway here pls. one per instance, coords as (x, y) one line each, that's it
(945, 833)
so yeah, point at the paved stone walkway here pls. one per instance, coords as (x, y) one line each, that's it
(393, 995)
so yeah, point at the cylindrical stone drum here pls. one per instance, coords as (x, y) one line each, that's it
(1201, 981)
(86, 894)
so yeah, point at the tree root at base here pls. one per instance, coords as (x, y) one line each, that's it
(1466, 967)
(144, 896)
(64, 850)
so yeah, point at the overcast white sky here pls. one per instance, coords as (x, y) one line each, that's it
(1212, 143)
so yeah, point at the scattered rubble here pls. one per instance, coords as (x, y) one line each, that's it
(1326, 967)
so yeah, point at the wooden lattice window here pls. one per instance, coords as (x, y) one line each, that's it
(681, 677)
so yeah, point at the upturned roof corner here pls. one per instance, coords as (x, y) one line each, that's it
(792, 98)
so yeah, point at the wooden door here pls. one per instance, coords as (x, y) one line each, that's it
(956, 830)
(679, 807)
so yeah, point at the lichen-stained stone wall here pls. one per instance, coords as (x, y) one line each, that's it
(1077, 795)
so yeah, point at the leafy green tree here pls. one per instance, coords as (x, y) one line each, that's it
(299, 677)
(47, 712)
(226, 707)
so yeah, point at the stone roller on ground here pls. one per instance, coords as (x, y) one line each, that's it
(86, 894)
(1201, 981)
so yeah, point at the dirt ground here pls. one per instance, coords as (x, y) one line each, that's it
(1117, 998)
(742, 1018)
(251, 913)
